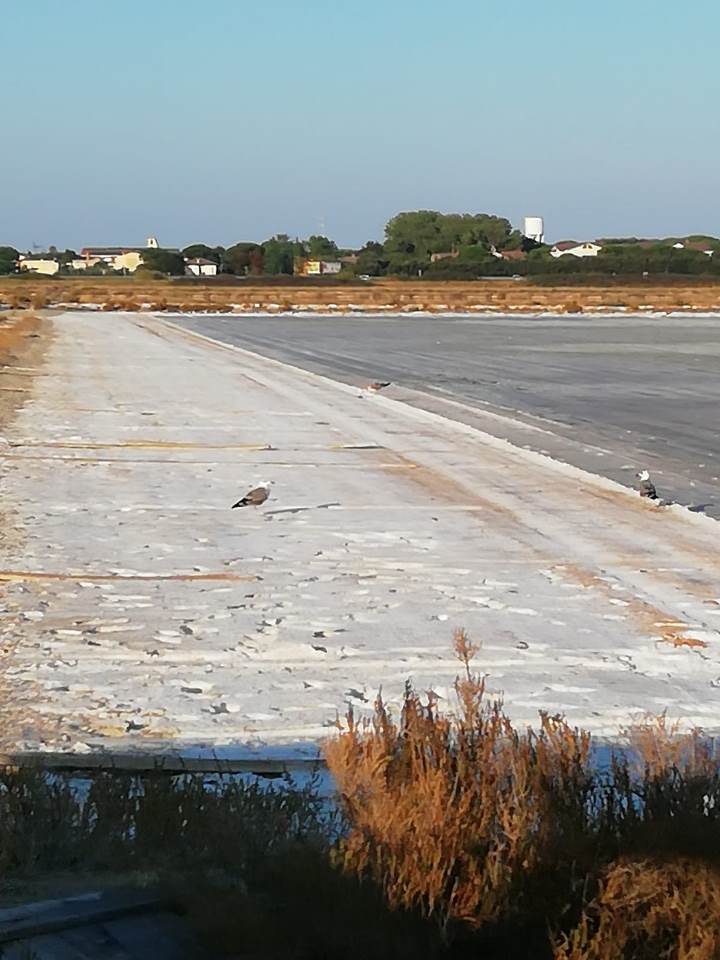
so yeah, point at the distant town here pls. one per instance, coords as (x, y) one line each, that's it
(422, 243)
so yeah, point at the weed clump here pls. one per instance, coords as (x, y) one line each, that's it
(496, 835)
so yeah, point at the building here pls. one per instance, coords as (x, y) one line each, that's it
(512, 254)
(444, 255)
(117, 258)
(199, 267)
(38, 263)
(698, 246)
(534, 229)
(316, 268)
(575, 249)
(127, 259)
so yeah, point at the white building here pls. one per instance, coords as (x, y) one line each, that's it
(199, 267)
(697, 245)
(38, 263)
(534, 229)
(575, 249)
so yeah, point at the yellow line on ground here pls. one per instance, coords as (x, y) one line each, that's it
(140, 444)
(8, 576)
(165, 460)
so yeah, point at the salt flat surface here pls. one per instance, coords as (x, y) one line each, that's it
(611, 394)
(138, 610)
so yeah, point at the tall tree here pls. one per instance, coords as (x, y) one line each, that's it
(321, 247)
(164, 261)
(8, 256)
(372, 260)
(279, 255)
(242, 258)
(424, 232)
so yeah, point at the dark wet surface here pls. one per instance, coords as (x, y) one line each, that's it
(614, 394)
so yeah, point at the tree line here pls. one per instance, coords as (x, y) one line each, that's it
(426, 243)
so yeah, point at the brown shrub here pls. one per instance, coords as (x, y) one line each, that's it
(458, 815)
(39, 299)
(503, 834)
(16, 299)
(647, 910)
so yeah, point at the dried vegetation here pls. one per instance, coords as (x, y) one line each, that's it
(379, 295)
(456, 836)
(497, 836)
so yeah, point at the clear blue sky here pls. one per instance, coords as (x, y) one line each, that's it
(237, 119)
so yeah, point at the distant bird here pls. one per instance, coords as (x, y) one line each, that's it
(255, 497)
(646, 488)
(377, 385)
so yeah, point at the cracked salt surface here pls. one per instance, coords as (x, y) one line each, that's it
(568, 582)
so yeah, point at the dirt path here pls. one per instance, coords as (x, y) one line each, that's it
(145, 613)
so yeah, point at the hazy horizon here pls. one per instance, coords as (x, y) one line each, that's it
(237, 123)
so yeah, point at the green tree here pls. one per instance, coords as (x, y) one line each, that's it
(424, 232)
(8, 256)
(279, 255)
(243, 258)
(405, 265)
(371, 261)
(164, 261)
(321, 247)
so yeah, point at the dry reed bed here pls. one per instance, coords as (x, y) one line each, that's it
(380, 295)
(497, 835)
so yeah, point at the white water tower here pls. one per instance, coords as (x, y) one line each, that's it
(534, 229)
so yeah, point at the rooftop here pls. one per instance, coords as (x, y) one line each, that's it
(110, 251)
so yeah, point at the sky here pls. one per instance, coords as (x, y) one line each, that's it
(240, 119)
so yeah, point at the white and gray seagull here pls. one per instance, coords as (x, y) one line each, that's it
(255, 497)
(646, 488)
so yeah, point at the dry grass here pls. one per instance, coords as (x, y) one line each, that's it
(15, 328)
(122, 822)
(499, 835)
(397, 295)
(678, 640)
(646, 911)
(459, 815)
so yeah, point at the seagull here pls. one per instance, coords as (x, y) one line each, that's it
(256, 496)
(377, 385)
(646, 488)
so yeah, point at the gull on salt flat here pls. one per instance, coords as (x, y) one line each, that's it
(646, 488)
(255, 497)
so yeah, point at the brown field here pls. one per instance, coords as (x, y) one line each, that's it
(243, 296)
(22, 341)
